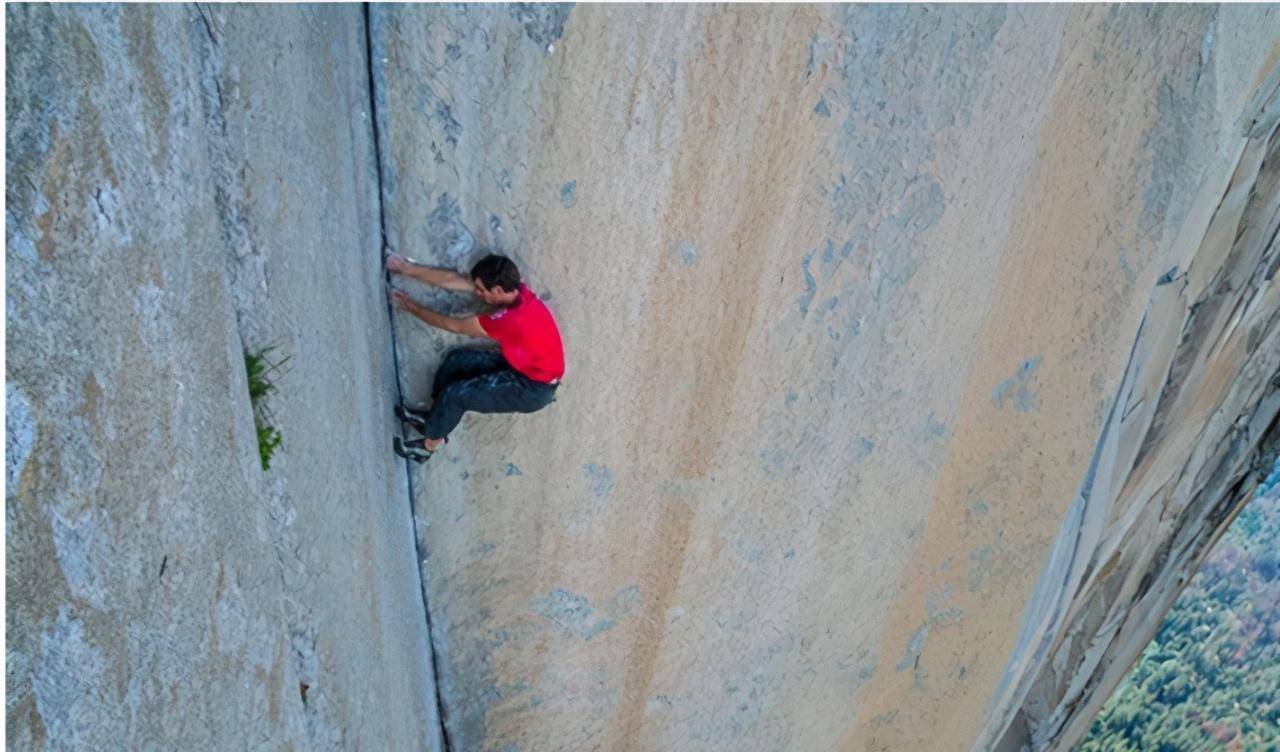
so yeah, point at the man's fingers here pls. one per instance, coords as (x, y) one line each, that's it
(397, 263)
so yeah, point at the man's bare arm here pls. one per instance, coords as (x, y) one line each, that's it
(445, 279)
(467, 327)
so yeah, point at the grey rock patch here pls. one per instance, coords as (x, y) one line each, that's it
(19, 436)
(569, 194)
(447, 235)
(67, 684)
(599, 480)
(686, 252)
(1016, 390)
(82, 544)
(543, 22)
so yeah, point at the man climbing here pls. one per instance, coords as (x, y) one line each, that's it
(521, 378)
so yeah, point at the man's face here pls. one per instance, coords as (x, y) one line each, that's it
(490, 295)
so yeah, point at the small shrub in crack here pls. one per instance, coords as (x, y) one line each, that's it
(263, 374)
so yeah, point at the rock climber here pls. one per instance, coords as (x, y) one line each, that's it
(520, 377)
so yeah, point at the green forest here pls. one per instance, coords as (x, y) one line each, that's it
(1210, 680)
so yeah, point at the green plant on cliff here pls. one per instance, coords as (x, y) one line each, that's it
(262, 373)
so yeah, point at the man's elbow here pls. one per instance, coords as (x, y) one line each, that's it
(471, 328)
(464, 327)
(460, 283)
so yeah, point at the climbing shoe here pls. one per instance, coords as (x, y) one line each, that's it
(412, 418)
(411, 450)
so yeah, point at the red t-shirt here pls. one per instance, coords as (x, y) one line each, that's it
(530, 340)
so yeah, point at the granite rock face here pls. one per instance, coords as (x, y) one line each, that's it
(1191, 433)
(915, 356)
(856, 301)
(184, 183)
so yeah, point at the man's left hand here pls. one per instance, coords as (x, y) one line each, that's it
(397, 264)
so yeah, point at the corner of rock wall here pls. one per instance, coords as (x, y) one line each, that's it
(1192, 430)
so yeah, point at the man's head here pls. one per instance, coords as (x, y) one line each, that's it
(497, 280)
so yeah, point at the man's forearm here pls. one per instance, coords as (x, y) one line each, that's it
(438, 320)
(446, 279)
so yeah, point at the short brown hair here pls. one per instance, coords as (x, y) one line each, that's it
(497, 271)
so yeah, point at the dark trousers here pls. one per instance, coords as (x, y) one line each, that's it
(480, 381)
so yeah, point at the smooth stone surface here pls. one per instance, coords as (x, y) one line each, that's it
(184, 183)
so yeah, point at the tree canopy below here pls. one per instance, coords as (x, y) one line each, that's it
(1210, 680)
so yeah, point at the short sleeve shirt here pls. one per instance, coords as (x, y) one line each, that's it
(528, 336)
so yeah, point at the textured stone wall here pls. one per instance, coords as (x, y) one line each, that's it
(1193, 429)
(915, 354)
(849, 294)
(184, 182)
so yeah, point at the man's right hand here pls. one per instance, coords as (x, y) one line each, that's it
(445, 279)
(397, 264)
(401, 300)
